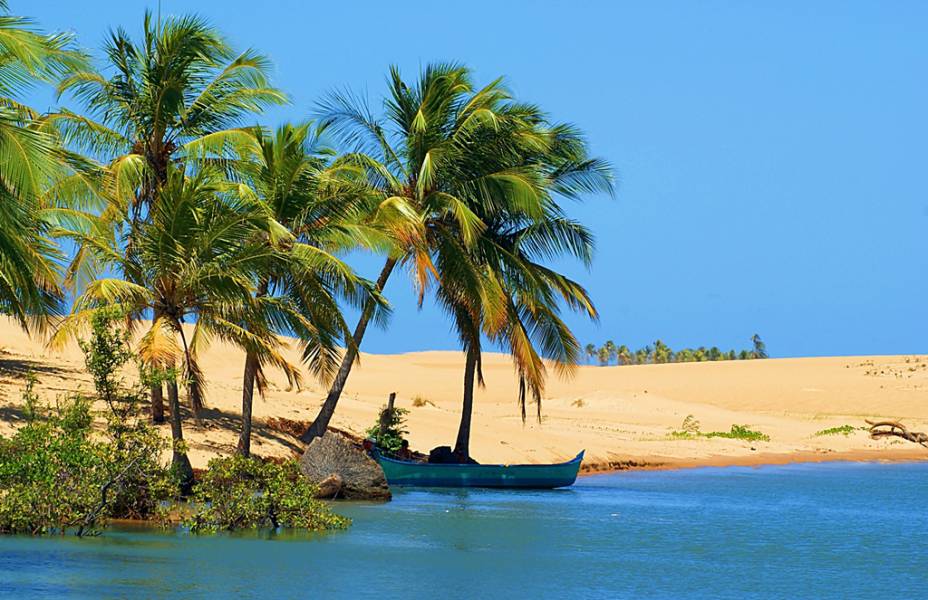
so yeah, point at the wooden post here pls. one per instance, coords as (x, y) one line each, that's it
(385, 415)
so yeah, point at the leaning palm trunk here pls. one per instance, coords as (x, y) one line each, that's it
(462, 445)
(321, 423)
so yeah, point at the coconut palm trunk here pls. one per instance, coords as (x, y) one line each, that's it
(248, 391)
(248, 388)
(462, 445)
(157, 394)
(321, 422)
(179, 460)
(157, 403)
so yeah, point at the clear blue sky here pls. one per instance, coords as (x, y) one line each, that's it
(771, 156)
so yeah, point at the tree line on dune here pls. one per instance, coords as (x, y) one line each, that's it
(151, 191)
(660, 353)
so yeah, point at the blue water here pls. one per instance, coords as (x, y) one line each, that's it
(809, 531)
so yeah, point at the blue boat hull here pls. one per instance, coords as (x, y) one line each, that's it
(407, 473)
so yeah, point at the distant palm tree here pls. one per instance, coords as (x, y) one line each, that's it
(760, 349)
(611, 350)
(662, 352)
(590, 351)
(603, 355)
(624, 355)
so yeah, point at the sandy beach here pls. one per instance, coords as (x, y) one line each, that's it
(622, 416)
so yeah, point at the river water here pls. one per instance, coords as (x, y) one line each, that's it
(799, 531)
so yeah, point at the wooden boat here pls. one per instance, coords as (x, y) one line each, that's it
(403, 472)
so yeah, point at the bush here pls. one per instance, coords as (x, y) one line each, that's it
(845, 430)
(247, 493)
(57, 476)
(390, 439)
(740, 432)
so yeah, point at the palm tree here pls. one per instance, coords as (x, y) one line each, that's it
(760, 349)
(198, 253)
(603, 356)
(516, 300)
(321, 209)
(624, 355)
(444, 153)
(611, 350)
(662, 352)
(590, 351)
(177, 95)
(31, 161)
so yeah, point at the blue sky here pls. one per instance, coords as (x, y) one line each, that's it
(771, 156)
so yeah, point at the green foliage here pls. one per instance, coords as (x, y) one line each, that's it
(246, 493)
(740, 432)
(389, 429)
(690, 431)
(57, 476)
(659, 352)
(845, 430)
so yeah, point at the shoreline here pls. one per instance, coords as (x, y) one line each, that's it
(657, 463)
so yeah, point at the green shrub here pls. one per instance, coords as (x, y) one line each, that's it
(740, 432)
(247, 493)
(57, 475)
(389, 437)
(846, 430)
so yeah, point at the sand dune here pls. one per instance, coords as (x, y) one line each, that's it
(620, 415)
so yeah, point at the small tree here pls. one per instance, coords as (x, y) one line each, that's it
(390, 428)
(760, 348)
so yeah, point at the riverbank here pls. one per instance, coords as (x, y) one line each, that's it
(625, 417)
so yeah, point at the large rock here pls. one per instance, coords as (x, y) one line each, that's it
(343, 470)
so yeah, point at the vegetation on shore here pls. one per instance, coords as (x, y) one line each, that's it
(690, 429)
(59, 475)
(661, 353)
(844, 430)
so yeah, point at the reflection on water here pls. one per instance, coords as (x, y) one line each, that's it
(830, 530)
